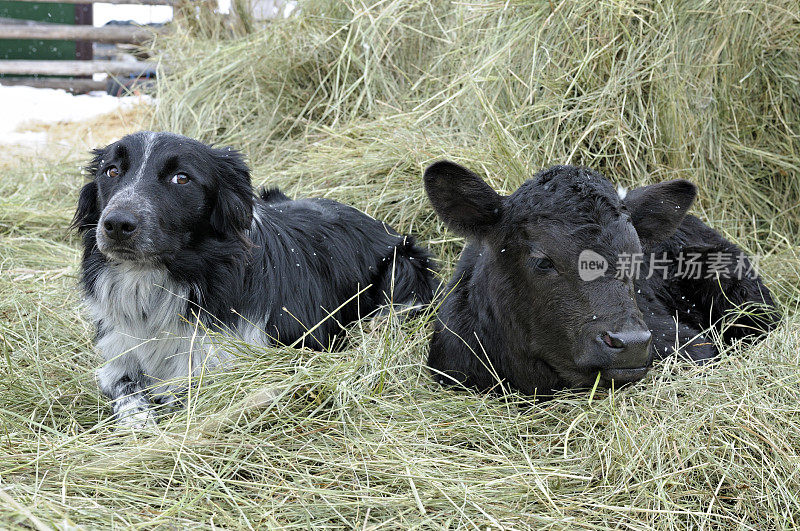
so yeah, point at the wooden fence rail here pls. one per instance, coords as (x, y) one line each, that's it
(71, 84)
(39, 73)
(126, 2)
(72, 68)
(108, 34)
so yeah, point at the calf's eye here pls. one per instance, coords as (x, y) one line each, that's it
(180, 178)
(112, 171)
(542, 264)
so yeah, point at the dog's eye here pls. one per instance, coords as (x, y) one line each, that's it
(113, 171)
(180, 178)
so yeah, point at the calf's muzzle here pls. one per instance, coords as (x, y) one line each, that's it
(627, 354)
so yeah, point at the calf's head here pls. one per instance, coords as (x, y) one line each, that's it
(153, 195)
(546, 262)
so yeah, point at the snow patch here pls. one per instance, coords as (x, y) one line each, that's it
(20, 104)
(141, 14)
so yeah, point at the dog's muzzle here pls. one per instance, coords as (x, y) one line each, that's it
(120, 225)
(123, 233)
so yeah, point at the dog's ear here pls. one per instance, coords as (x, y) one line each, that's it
(88, 212)
(233, 208)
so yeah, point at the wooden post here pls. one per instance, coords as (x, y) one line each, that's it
(84, 16)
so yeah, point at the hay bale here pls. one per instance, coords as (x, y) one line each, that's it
(702, 90)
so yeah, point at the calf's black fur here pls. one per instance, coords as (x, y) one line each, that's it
(519, 314)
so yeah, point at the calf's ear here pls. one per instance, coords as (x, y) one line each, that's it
(657, 210)
(464, 201)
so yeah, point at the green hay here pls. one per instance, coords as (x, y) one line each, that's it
(351, 101)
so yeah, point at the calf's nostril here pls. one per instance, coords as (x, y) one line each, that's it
(613, 340)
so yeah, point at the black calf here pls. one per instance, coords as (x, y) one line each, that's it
(563, 280)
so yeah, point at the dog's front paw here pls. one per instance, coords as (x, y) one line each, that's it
(133, 413)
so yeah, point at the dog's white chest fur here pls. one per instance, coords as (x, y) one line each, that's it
(137, 301)
(144, 329)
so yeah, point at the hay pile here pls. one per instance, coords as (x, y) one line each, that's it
(351, 100)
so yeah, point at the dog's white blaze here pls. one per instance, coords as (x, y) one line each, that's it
(129, 194)
(149, 141)
(622, 191)
(142, 313)
(128, 197)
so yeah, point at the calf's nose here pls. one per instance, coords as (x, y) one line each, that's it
(628, 349)
(120, 225)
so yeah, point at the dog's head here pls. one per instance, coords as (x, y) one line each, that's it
(155, 194)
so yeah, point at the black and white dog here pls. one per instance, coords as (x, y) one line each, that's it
(176, 242)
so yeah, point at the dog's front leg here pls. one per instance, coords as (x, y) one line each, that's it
(130, 400)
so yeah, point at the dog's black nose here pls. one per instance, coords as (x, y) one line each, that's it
(120, 225)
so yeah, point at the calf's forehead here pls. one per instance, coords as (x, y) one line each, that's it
(568, 193)
(571, 209)
(564, 240)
